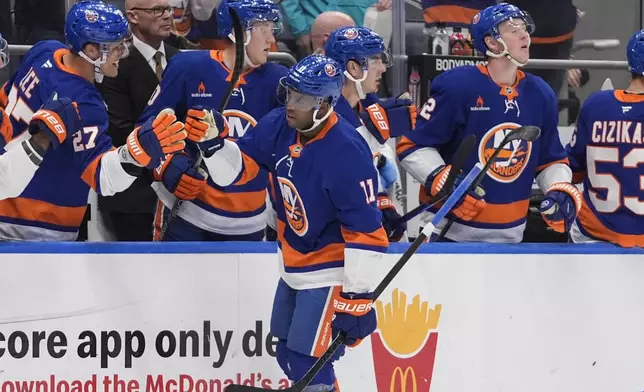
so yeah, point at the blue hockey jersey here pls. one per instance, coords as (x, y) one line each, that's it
(466, 101)
(328, 221)
(53, 204)
(200, 78)
(607, 154)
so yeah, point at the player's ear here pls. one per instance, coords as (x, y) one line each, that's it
(492, 44)
(354, 69)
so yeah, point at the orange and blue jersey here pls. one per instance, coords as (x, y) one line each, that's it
(200, 78)
(488, 110)
(52, 206)
(326, 207)
(607, 155)
(452, 12)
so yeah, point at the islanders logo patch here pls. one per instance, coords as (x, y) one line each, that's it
(512, 159)
(294, 207)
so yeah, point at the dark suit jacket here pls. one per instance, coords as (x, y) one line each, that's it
(126, 96)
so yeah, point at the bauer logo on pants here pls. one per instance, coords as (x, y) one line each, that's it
(404, 346)
(512, 159)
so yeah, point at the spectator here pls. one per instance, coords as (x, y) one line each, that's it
(553, 38)
(130, 214)
(38, 20)
(324, 25)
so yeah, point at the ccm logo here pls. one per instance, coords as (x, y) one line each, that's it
(134, 146)
(52, 119)
(355, 308)
(378, 117)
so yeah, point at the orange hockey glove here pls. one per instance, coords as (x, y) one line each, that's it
(469, 207)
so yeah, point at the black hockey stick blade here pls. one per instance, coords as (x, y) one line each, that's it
(237, 70)
(528, 133)
(460, 157)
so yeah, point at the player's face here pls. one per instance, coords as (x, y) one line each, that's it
(115, 53)
(514, 33)
(262, 39)
(375, 68)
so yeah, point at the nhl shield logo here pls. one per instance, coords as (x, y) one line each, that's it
(91, 16)
(512, 159)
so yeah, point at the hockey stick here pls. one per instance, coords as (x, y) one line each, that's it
(463, 152)
(342, 336)
(237, 70)
(528, 133)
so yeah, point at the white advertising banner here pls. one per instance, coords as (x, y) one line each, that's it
(130, 319)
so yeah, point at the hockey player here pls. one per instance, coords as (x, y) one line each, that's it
(606, 154)
(79, 156)
(488, 101)
(329, 232)
(363, 55)
(211, 212)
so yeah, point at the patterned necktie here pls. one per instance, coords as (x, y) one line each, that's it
(158, 58)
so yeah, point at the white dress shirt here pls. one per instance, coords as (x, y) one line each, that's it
(148, 52)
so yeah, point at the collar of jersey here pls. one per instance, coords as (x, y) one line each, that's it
(514, 93)
(218, 56)
(58, 59)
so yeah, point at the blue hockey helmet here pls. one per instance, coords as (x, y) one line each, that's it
(487, 21)
(94, 22)
(357, 44)
(249, 12)
(635, 53)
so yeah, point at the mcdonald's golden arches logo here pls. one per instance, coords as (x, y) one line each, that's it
(403, 379)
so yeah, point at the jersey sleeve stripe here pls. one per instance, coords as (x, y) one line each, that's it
(250, 170)
(41, 211)
(405, 147)
(375, 241)
(90, 175)
(544, 166)
(597, 229)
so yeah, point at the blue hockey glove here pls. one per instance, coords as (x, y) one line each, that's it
(560, 206)
(179, 176)
(354, 314)
(391, 118)
(390, 218)
(469, 206)
(57, 118)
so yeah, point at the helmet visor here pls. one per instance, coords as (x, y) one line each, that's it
(295, 100)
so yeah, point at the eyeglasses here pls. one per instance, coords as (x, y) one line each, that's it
(156, 11)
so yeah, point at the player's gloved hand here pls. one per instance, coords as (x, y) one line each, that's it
(391, 118)
(148, 144)
(387, 171)
(208, 128)
(390, 219)
(6, 129)
(281, 353)
(560, 206)
(354, 314)
(57, 118)
(469, 206)
(179, 176)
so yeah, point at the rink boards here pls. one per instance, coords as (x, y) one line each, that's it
(195, 317)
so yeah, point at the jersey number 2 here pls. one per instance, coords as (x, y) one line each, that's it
(428, 108)
(367, 187)
(608, 181)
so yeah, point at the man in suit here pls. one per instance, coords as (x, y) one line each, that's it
(130, 214)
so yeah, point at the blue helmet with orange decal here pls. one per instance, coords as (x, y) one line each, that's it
(95, 22)
(358, 44)
(486, 23)
(635, 53)
(314, 80)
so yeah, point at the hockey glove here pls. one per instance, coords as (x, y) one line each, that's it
(387, 171)
(469, 206)
(390, 218)
(391, 118)
(57, 118)
(560, 206)
(208, 128)
(148, 144)
(354, 314)
(6, 129)
(179, 176)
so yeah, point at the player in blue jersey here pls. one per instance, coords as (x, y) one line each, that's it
(330, 237)
(195, 83)
(363, 55)
(489, 101)
(79, 154)
(607, 154)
